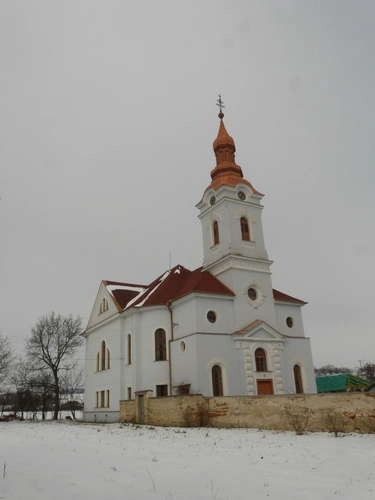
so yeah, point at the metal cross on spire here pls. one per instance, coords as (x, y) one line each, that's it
(220, 103)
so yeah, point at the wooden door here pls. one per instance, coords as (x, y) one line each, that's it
(264, 387)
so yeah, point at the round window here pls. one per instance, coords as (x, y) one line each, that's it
(182, 347)
(212, 200)
(252, 293)
(242, 195)
(211, 316)
(289, 322)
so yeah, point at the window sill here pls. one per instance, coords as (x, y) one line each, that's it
(248, 243)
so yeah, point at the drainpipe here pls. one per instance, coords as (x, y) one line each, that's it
(168, 304)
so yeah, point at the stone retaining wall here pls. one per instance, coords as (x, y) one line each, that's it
(315, 412)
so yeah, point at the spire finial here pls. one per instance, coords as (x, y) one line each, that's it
(220, 103)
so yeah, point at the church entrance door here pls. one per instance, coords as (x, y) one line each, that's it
(264, 387)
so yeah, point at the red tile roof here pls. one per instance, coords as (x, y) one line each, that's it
(173, 285)
(280, 296)
(123, 293)
(170, 286)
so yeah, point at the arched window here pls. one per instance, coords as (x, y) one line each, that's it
(103, 306)
(298, 379)
(245, 233)
(215, 229)
(217, 381)
(129, 349)
(103, 356)
(260, 360)
(160, 345)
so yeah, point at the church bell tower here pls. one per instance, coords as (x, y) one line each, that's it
(230, 213)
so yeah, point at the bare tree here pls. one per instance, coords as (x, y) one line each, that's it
(53, 342)
(367, 371)
(34, 387)
(43, 386)
(332, 370)
(6, 398)
(72, 389)
(6, 359)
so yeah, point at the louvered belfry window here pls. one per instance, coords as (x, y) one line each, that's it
(215, 228)
(245, 233)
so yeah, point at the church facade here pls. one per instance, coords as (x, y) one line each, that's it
(218, 330)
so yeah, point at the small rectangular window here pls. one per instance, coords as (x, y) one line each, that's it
(97, 399)
(161, 390)
(107, 405)
(183, 389)
(129, 393)
(102, 399)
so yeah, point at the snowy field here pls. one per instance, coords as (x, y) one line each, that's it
(72, 460)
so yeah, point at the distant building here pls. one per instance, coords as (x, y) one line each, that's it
(343, 382)
(218, 330)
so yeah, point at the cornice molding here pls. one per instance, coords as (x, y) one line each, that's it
(232, 262)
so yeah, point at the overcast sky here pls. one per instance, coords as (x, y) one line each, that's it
(107, 121)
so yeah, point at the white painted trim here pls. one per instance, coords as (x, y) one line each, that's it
(260, 292)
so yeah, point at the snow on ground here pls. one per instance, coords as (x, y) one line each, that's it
(73, 460)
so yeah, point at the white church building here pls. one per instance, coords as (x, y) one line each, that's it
(218, 330)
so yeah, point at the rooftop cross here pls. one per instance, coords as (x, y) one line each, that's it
(220, 103)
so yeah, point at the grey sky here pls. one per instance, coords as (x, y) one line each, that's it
(107, 121)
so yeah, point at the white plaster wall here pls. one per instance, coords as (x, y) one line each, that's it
(282, 312)
(298, 351)
(184, 316)
(226, 212)
(239, 280)
(223, 307)
(106, 379)
(96, 317)
(185, 364)
(190, 315)
(220, 349)
(147, 371)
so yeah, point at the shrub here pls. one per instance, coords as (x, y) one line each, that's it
(188, 417)
(297, 420)
(334, 422)
(369, 424)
